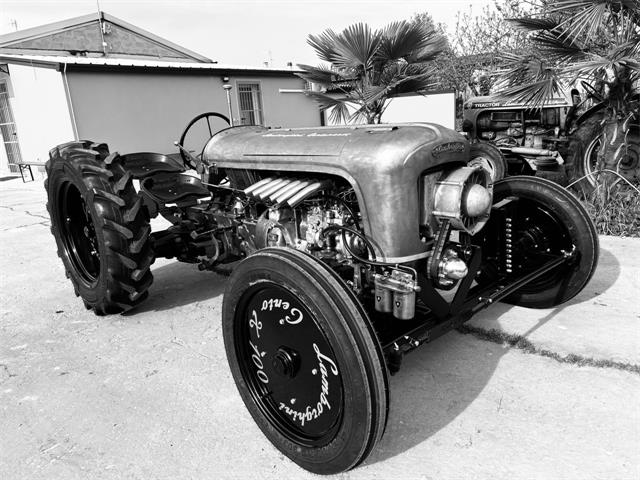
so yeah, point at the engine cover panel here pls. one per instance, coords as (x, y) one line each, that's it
(382, 162)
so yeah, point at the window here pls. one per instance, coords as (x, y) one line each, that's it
(250, 100)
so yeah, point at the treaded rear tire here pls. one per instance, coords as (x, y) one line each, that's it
(110, 270)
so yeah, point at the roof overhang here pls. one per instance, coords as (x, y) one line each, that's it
(124, 64)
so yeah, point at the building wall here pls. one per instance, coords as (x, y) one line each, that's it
(147, 111)
(40, 111)
(437, 108)
(283, 103)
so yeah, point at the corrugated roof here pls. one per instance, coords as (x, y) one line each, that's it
(51, 61)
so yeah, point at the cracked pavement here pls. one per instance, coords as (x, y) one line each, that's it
(148, 395)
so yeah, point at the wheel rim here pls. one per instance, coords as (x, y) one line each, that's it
(590, 160)
(538, 233)
(628, 165)
(288, 365)
(485, 163)
(78, 234)
(531, 235)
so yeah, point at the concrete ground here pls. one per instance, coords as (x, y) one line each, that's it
(149, 395)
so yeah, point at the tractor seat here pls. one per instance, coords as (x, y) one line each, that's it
(168, 188)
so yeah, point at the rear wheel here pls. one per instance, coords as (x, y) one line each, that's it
(534, 220)
(100, 225)
(305, 360)
(586, 143)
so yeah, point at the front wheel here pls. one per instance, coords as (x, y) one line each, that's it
(534, 220)
(305, 359)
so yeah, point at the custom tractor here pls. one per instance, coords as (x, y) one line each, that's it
(347, 248)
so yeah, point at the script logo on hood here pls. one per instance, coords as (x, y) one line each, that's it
(451, 147)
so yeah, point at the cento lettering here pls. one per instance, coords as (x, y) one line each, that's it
(293, 316)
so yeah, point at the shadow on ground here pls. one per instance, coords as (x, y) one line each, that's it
(177, 284)
(10, 177)
(436, 383)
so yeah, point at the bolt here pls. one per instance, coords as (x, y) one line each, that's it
(314, 372)
(281, 322)
(293, 401)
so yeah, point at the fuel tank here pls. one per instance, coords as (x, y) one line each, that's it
(383, 163)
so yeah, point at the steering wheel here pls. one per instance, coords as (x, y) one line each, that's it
(591, 91)
(207, 116)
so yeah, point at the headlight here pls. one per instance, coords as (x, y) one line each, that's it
(464, 197)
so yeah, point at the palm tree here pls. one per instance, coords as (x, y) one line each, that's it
(365, 67)
(596, 43)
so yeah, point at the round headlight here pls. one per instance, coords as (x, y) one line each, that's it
(477, 201)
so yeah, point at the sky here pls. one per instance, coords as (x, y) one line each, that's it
(242, 32)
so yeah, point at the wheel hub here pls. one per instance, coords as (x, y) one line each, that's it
(286, 362)
(78, 233)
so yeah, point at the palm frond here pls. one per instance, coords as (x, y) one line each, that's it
(340, 114)
(324, 44)
(433, 47)
(356, 46)
(375, 92)
(630, 48)
(327, 101)
(360, 115)
(534, 94)
(565, 5)
(586, 17)
(521, 69)
(400, 84)
(558, 46)
(599, 66)
(532, 24)
(321, 74)
(402, 39)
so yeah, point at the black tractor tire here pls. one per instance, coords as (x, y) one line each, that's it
(327, 407)
(546, 219)
(582, 156)
(490, 158)
(100, 225)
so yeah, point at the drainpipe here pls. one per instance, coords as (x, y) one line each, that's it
(228, 88)
(65, 82)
